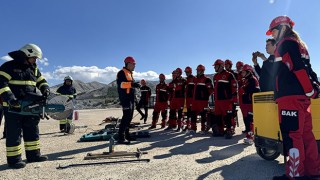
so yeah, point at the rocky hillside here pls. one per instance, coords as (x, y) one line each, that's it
(95, 95)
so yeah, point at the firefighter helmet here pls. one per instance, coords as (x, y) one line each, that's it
(129, 59)
(247, 67)
(201, 67)
(218, 62)
(179, 70)
(239, 64)
(280, 20)
(32, 50)
(228, 61)
(162, 76)
(188, 69)
(68, 78)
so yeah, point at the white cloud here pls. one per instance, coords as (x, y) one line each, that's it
(6, 58)
(94, 73)
(43, 61)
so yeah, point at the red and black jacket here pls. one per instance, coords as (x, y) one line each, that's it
(162, 93)
(291, 72)
(225, 85)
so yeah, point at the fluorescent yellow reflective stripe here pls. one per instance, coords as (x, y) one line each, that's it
(5, 104)
(5, 89)
(69, 121)
(36, 72)
(19, 82)
(14, 153)
(6, 75)
(14, 148)
(43, 84)
(31, 148)
(31, 143)
(40, 79)
(63, 121)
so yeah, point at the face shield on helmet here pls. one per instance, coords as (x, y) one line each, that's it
(32, 50)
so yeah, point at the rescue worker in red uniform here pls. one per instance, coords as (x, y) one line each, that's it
(203, 88)
(19, 79)
(126, 89)
(189, 95)
(144, 100)
(224, 85)
(161, 104)
(177, 87)
(293, 90)
(250, 85)
(228, 66)
(67, 89)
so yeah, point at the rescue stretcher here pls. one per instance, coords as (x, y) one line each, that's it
(267, 135)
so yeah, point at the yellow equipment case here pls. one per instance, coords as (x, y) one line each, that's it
(267, 135)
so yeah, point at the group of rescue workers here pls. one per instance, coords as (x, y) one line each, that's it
(287, 72)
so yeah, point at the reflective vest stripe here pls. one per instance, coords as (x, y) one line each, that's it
(278, 59)
(6, 75)
(5, 89)
(43, 84)
(40, 79)
(19, 82)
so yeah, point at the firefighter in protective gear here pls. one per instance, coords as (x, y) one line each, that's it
(203, 88)
(249, 86)
(177, 88)
(144, 100)
(67, 89)
(161, 104)
(19, 78)
(189, 95)
(293, 90)
(228, 66)
(126, 90)
(224, 85)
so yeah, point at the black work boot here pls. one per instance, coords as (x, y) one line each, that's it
(37, 159)
(17, 165)
(123, 141)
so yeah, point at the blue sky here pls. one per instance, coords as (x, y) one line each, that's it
(89, 39)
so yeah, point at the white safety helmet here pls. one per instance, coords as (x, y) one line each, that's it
(32, 50)
(68, 78)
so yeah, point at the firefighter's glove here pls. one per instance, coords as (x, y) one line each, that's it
(135, 85)
(46, 93)
(15, 105)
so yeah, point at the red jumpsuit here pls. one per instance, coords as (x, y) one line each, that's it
(161, 105)
(293, 90)
(177, 88)
(202, 90)
(235, 97)
(250, 85)
(224, 86)
(189, 97)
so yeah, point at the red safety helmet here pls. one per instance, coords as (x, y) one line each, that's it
(247, 67)
(201, 68)
(228, 61)
(239, 64)
(129, 59)
(218, 62)
(143, 82)
(179, 70)
(280, 20)
(162, 76)
(188, 69)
